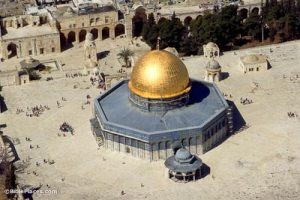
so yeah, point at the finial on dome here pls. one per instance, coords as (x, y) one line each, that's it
(157, 45)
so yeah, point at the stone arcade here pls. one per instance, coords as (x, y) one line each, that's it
(158, 106)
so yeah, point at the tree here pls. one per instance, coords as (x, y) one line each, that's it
(125, 54)
(150, 31)
(171, 32)
(252, 26)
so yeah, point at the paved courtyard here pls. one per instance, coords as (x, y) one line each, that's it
(261, 162)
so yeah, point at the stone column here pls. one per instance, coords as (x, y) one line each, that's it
(76, 37)
(33, 44)
(19, 50)
(199, 144)
(155, 151)
(148, 151)
(112, 32)
(128, 25)
(100, 34)
(184, 176)
(194, 176)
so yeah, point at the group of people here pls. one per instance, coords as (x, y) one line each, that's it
(73, 75)
(292, 114)
(245, 101)
(46, 161)
(33, 111)
(292, 78)
(227, 95)
(121, 70)
(58, 103)
(65, 127)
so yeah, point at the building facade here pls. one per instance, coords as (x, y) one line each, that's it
(103, 22)
(47, 31)
(28, 35)
(253, 62)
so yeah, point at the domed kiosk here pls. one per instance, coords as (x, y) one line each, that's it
(158, 106)
(183, 166)
(213, 71)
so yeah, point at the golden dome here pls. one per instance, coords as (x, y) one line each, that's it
(159, 74)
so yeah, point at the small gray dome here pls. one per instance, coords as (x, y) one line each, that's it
(183, 155)
(213, 64)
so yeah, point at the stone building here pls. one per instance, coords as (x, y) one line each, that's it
(28, 35)
(9, 78)
(211, 50)
(14, 8)
(158, 106)
(213, 71)
(103, 22)
(253, 62)
(44, 31)
(90, 51)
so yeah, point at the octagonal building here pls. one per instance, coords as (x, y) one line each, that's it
(160, 106)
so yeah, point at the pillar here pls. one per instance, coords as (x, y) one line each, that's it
(112, 32)
(148, 151)
(155, 151)
(128, 25)
(199, 145)
(184, 177)
(110, 144)
(19, 50)
(77, 37)
(116, 143)
(33, 44)
(99, 34)
(193, 145)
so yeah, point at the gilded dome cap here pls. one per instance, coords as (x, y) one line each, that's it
(159, 74)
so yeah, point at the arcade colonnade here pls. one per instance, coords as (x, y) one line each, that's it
(197, 144)
(99, 33)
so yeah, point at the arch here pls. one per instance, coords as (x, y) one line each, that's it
(82, 35)
(105, 33)
(198, 17)
(71, 37)
(187, 20)
(255, 11)
(243, 13)
(119, 30)
(12, 50)
(94, 32)
(63, 40)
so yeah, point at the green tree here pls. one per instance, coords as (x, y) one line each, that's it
(150, 31)
(252, 26)
(125, 54)
(171, 32)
